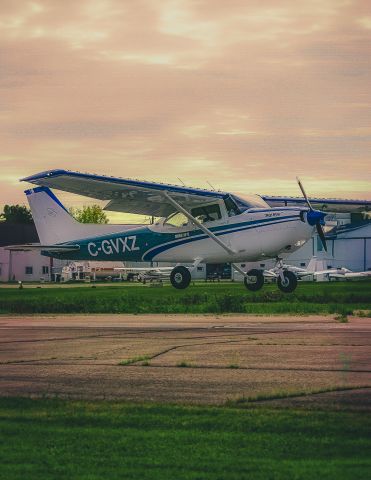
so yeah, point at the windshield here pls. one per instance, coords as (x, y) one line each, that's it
(247, 202)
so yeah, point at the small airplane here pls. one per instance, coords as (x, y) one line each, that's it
(343, 274)
(195, 225)
(340, 273)
(300, 272)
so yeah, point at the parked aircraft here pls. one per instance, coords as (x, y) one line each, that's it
(147, 274)
(298, 271)
(341, 273)
(344, 274)
(196, 226)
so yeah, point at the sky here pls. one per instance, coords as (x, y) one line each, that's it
(243, 94)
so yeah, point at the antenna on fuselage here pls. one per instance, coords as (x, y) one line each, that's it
(181, 181)
(212, 186)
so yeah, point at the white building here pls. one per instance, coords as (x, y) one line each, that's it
(28, 266)
(24, 266)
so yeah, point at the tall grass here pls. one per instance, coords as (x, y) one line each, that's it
(309, 298)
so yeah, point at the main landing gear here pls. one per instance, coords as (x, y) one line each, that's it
(254, 280)
(180, 277)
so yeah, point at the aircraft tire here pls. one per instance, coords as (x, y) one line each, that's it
(291, 282)
(180, 277)
(258, 284)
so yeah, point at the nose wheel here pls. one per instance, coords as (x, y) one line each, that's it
(287, 281)
(180, 277)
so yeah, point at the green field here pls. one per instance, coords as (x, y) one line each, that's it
(55, 439)
(309, 298)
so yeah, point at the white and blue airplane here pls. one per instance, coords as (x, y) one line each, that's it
(195, 225)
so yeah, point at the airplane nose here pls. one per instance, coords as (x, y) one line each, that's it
(315, 216)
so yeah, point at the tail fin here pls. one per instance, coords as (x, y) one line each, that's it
(53, 222)
(312, 265)
(316, 265)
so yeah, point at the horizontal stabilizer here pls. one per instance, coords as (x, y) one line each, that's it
(37, 246)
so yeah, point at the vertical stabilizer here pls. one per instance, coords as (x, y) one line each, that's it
(53, 222)
(312, 265)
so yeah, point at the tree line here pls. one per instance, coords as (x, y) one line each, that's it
(22, 215)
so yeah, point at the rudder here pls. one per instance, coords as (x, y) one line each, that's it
(53, 222)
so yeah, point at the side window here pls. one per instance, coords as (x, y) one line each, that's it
(28, 270)
(176, 220)
(207, 213)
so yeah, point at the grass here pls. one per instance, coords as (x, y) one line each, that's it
(184, 364)
(52, 439)
(141, 358)
(280, 394)
(340, 298)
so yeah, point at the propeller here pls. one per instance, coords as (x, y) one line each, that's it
(314, 217)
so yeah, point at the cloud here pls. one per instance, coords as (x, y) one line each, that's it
(243, 94)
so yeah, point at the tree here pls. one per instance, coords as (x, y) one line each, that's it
(16, 214)
(89, 214)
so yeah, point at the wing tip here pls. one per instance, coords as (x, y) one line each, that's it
(45, 174)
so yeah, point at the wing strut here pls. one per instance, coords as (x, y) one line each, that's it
(199, 224)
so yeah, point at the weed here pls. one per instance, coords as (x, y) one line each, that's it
(130, 361)
(184, 364)
(233, 365)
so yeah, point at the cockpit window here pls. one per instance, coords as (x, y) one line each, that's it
(207, 213)
(176, 219)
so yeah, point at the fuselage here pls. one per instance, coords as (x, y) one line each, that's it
(252, 235)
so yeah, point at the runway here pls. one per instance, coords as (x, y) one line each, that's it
(193, 359)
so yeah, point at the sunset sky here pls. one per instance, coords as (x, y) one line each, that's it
(243, 94)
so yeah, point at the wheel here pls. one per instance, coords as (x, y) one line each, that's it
(180, 277)
(290, 282)
(254, 285)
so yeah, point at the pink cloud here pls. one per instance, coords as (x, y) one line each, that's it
(244, 95)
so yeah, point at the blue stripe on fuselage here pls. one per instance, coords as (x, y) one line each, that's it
(218, 231)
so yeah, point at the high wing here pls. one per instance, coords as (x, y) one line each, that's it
(323, 204)
(126, 195)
